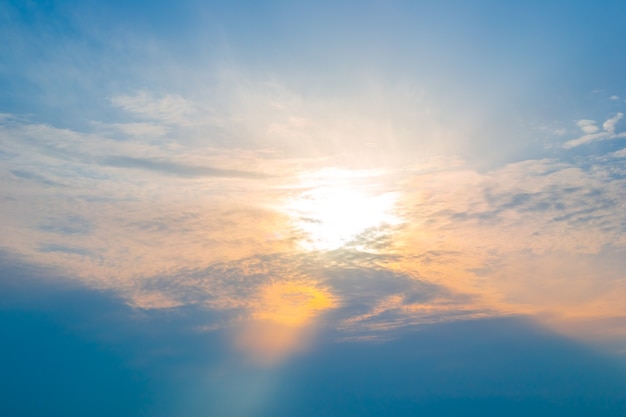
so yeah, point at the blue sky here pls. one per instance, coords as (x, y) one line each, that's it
(334, 208)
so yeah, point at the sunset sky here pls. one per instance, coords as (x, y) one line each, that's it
(312, 208)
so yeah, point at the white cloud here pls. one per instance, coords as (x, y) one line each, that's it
(592, 134)
(609, 124)
(619, 154)
(586, 139)
(587, 126)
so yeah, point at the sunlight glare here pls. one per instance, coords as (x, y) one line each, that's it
(336, 206)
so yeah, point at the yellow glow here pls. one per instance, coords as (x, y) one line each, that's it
(292, 304)
(282, 320)
(334, 206)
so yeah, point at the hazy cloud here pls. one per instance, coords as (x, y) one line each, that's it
(53, 247)
(166, 167)
(169, 109)
(32, 176)
(66, 225)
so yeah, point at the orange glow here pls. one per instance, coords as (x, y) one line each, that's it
(292, 304)
(282, 320)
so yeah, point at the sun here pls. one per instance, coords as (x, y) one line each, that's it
(332, 207)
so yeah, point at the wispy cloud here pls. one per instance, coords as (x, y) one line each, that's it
(32, 176)
(171, 225)
(52, 247)
(590, 128)
(166, 167)
(134, 130)
(171, 109)
(183, 201)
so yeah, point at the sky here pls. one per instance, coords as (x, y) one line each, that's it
(292, 208)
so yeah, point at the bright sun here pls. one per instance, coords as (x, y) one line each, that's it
(334, 206)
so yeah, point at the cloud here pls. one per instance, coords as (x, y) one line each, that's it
(169, 109)
(165, 167)
(135, 130)
(126, 346)
(609, 124)
(66, 225)
(53, 247)
(169, 219)
(589, 127)
(179, 232)
(204, 239)
(289, 293)
(32, 176)
(499, 231)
